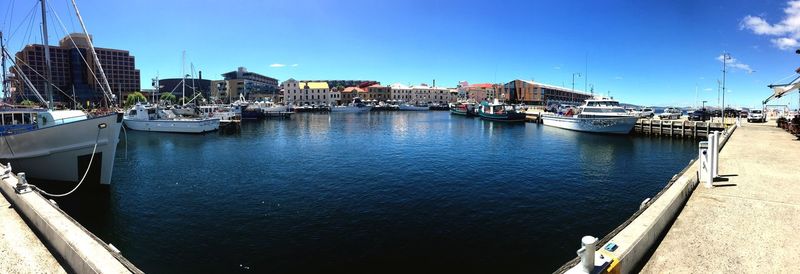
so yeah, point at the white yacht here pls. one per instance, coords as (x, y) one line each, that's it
(596, 115)
(148, 118)
(356, 106)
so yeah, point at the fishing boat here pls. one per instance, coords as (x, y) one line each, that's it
(600, 115)
(152, 118)
(463, 108)
(356, 106)
(501, 112)
(59, 145)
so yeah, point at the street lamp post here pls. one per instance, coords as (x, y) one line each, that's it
(725, 57)
(704, 104)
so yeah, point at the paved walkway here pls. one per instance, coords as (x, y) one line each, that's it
(20, 250)
(747, 224)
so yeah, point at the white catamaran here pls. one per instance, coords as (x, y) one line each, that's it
(59, 145)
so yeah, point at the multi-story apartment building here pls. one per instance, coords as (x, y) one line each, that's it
(251, 85)
(71, 75)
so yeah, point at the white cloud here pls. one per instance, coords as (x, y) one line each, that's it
(733, 63)
(787, 30)
(707, 89)
(277, 65)
(294, 65)
(785, 43)
(557, 67)
(618, 78)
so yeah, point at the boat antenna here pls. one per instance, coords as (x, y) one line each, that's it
(105, 87)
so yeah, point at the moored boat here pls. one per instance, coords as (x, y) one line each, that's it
(354, 107)
(463, 108)
(501, 112)
(596, 115)
(148, 118)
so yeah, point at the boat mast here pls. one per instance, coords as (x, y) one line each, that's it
(106, 88)
(3, 62)
(183, 82)
(46, 43)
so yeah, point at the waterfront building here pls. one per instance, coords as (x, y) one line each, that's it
(308, 93)
(347, 83)
(478, 92)
(72, 75)
(531, 93)
(251, 85)
(400, 92)
(349, 93)
(420, 94)
(377, 93)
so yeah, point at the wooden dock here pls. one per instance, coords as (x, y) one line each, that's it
(676, 128)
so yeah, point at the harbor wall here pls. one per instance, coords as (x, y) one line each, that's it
(638, 236)
(79, 249)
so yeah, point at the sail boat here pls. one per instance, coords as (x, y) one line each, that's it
(154, 118)
(59, 145)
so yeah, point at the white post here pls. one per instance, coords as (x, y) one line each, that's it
(715, 154)
(586, 253)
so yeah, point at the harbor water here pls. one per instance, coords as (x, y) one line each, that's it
(371, 193)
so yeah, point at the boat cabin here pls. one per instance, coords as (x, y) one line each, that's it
(21, 120)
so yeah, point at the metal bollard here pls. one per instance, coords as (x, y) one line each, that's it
(586, 253)
(22, 186)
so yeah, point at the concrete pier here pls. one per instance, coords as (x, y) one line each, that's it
(20, 250)
(78, 250)
(747, 223)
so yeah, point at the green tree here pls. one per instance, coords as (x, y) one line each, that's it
(168, 96)
(135, 97)
(28, 103)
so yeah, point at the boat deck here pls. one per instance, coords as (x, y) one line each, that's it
(746, 224)
(21, 251)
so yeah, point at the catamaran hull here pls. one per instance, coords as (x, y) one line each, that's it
(612, 125)
(62, 152)
(174, 126)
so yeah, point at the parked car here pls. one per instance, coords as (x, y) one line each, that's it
(731, 113)
(743, 112)
(670, 113)
(700, 115)
(647, 112)
(756, 115)
(717, 113)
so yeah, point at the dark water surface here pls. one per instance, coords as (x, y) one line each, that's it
(372, 193)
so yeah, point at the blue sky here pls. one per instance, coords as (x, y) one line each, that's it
(643, 52)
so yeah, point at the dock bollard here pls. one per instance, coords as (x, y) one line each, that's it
(22, 184)
(586, 252)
